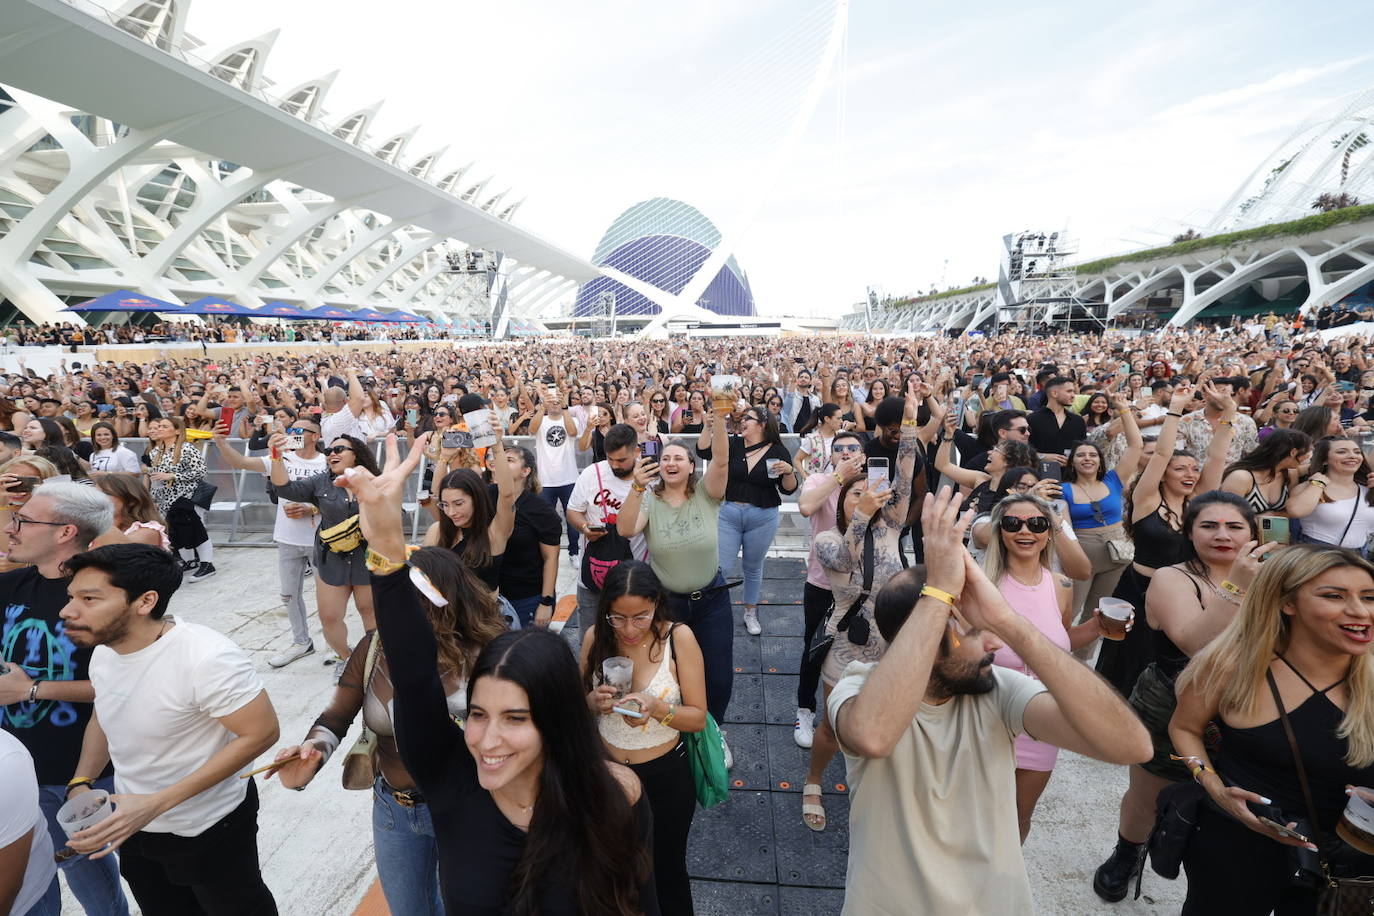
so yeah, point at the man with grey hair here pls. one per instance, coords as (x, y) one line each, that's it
(46, 693)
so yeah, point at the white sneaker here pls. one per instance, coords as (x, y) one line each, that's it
(751, 621)
(729, 757)
(297, 651)
(804, 730)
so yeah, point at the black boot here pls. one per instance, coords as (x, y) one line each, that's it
(1113, 877)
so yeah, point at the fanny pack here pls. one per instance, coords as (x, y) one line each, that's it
(852, 624)
(345, 537)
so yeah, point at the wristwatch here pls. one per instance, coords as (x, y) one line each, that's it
(546, 600)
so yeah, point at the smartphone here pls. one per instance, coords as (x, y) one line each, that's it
(1274, 528)
(877, 472)
(412, 416)
(226, 418)
(1046, 469)
(650, 448)
(457, 438)
(1282, 830)
(104, 410)
(23, 485)
(596, 526)
(295, 439)
(632, 713)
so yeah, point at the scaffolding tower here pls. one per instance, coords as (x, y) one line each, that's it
(1036, 285)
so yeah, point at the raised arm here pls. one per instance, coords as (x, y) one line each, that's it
(1215, 461)
(1135, 445)
(506, 493)
(718, 471)
(946, 466)
(1146, 498)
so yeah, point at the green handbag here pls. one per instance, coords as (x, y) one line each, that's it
(706, 750)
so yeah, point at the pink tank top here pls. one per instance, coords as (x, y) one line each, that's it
(1040, 605)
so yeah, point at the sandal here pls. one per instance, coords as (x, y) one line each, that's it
(810, 811)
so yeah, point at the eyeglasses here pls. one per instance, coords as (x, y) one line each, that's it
(1037, 525)
(337, 449)
(658, 401)
(639, 621)
(19, 521)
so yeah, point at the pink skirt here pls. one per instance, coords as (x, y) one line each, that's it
(1035, 755)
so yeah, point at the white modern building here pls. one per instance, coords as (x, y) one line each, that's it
(133, 156)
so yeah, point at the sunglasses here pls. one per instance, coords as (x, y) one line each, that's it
(337, 450)
(1037, 525)
(852, 447)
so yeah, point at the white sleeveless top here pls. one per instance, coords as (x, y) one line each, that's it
(616, 732)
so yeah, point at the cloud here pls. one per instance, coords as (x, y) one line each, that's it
(1279, 82)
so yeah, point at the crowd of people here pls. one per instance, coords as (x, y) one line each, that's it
(215, 330)
(1149, 549)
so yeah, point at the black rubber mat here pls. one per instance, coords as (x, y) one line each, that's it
(780, 699)
(809, 901)
(746, 700)
(720, 898)
(783, 620)
(804, 856)
(788, 765)
(785, 568)
(776, 591)
(734, 840)
(780, 654)
(747, 657)
(749, 745)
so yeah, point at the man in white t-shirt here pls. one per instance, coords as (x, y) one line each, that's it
(28, 875)
(555, 456)
(343, 412)
(595, 505)
(294, 529)
(181, 713)
(928, 735)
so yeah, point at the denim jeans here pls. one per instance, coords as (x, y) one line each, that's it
(50, 904)
(93, 882)
(713, 625)
(525, 609)
(291, 563)
(555, 495)
(587, 602)
(750, 527)
(407, 858)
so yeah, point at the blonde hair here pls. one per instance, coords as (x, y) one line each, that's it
(995, 559)
(1232, 667)
(43, 466)
(158, 450)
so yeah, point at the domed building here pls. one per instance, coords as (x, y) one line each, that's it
(663, 242)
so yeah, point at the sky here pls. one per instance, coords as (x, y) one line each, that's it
(943, 127)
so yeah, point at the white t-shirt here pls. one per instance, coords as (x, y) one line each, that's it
(555, 453)
(115, 460)
(339, 424)
(602, 502)
(20, 815)
(158, 707)
(932, 827)
(298, 532)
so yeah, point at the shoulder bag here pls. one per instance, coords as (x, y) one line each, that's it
(1353, 896)
(706, 752)
(852, 623)
(605, 553)
(360, 763)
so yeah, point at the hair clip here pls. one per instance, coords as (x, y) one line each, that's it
(426, 587)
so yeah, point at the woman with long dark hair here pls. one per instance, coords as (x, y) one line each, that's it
(1266, 476)
(560, 826)
(813, 452)
(529, 568)
(668, 686)
(691, 418)
(760, 472)
(1187, 604)
(108, 456)
(1300, 639)
(341, 567)
(471, 523)
(42, 431)
(1336, 502)
(402, 823)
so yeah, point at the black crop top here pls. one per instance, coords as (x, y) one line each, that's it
(478, 846)
(1157, 544)
(752, 486)
(1259, 759)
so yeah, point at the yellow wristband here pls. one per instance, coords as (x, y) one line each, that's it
(672, 711)
(382, 566)
(1228, 586)
(930, 591)
(911, 423)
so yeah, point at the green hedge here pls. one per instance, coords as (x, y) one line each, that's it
(961, 291)
(1305, 226)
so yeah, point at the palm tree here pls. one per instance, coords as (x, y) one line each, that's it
(1328, 202)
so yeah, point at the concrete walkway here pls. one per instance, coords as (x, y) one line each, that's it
(316, 845)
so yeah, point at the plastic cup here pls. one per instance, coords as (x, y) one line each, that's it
(479, 424)
(1115, 615)
(84, 810)
(774, 467)
(1356, 825)
(725, 391)
(618, 672)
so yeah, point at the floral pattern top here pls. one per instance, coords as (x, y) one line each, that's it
(842, 558)
(189, 468)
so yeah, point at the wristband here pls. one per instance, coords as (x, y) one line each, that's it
(1223, 422)
(638, 487)
(1228, 586)
(86, 781)
(839, 478)
(33, 692)
(910, 423)
(672, 711)
(930, 591)
(1319, 484)
(380, 565)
